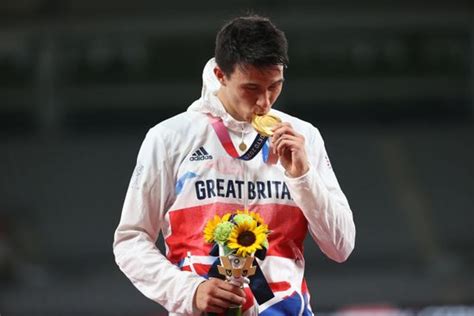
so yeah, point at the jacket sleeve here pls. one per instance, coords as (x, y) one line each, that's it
(323, 203)
(148, 196)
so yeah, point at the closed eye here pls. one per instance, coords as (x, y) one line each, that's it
(251, 87)
(276, 85)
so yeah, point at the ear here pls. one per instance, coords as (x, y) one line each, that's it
(220, 75)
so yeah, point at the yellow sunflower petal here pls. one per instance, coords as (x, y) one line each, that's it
(257, 217)
(242, 232)
(210, 227)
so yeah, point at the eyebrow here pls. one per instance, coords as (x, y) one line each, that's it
(256, 84)
(278, 81)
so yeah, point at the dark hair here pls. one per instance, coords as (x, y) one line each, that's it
(251, 40)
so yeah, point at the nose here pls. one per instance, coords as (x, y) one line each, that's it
(263, 101)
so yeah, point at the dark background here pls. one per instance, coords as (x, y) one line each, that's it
(390, 84)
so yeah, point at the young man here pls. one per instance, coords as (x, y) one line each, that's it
(185, 174)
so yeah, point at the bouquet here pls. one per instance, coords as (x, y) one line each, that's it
(239, 237)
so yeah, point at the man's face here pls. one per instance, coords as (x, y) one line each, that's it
(250, 90)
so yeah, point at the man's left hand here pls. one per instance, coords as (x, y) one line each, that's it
(290, 148)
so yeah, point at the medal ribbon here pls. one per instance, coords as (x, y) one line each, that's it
(260, 143)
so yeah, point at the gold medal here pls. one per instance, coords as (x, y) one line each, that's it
(264, 124)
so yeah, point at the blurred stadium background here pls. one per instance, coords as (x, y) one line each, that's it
(390, 84)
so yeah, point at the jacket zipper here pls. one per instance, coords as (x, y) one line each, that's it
(246, 192)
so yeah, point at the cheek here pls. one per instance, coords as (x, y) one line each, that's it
(248, 99)
(275, 95)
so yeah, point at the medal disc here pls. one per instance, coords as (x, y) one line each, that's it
(242, 146)
(263, 124)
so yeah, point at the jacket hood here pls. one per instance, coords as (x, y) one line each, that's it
(209, 103)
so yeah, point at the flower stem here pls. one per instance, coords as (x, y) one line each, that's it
(234, 311)
(231, 311)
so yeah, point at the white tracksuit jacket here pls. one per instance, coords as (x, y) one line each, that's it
(183, 177)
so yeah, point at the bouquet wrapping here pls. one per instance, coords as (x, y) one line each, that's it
(238, 238)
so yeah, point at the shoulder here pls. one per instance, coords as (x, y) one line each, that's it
(180, 125)
(169, 139)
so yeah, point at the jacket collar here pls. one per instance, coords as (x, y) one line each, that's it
(209, 103)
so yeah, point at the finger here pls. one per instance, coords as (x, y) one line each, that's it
(282, 124)
(300, 138)
(281, 145)
(282, 128)
(285, 139)
(230, 297)
(287, 146)
(218, 305)
(231, 288)
(215, 309)
(285, 130)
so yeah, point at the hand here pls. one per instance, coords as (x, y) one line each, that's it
(290, 148)
(216, 296)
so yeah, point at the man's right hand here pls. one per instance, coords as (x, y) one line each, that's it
(216, 296)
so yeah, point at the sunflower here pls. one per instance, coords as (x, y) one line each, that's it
(226, 217)
(210, 228)
(247, 237)
(257, 218)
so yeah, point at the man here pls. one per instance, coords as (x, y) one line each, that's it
(186, 173)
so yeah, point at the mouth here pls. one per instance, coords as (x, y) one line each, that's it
(260, 113)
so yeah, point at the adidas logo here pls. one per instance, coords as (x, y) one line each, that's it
(200, 154)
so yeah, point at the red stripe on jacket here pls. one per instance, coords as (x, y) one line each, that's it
(287, 224)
